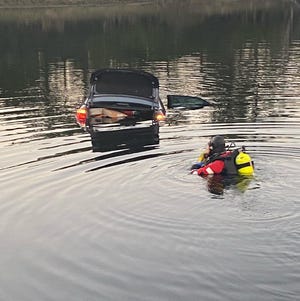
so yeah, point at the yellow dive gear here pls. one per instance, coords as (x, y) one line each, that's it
(244, 164)
(201, 157)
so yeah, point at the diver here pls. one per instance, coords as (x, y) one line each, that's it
(219, 159)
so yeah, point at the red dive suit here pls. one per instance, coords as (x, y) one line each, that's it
(217, 165)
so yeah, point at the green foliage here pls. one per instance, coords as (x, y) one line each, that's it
(49, 3)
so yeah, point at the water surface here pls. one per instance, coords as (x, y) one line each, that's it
(136, 225)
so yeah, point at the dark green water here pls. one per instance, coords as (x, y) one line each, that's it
(123, 225)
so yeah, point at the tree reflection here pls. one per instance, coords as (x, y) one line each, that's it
(231, 51)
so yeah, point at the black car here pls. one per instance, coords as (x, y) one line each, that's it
(123, 108)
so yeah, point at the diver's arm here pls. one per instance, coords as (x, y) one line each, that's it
(215, 167)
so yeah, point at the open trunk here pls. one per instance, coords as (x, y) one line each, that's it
(120, 109)
(122, 120)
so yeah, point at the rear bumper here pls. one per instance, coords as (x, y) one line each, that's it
(125, 137)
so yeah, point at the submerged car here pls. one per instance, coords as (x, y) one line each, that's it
(123, 108)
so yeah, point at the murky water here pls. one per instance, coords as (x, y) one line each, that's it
(136, 225)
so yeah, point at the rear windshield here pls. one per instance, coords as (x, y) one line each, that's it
(128, 84)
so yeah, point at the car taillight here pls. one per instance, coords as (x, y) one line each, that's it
(159, 116)
(81, 115)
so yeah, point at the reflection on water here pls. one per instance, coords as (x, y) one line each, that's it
(217, 184)
(134, 224)
(242, 66)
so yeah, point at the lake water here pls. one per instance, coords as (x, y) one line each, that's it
(136, 225)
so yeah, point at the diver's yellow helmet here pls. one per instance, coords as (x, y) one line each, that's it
(244, 164)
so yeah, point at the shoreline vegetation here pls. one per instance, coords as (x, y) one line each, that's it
(74, 3)
(54, 13)
(70, 3)
(182, 4)
(66, 3)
